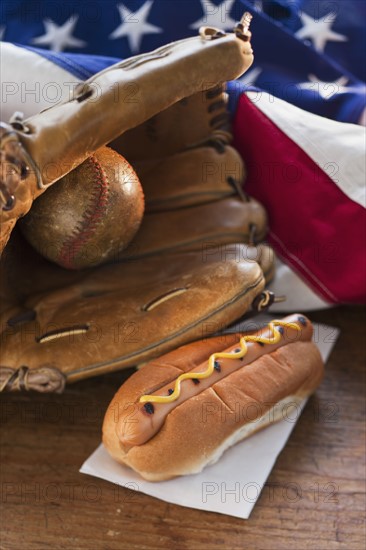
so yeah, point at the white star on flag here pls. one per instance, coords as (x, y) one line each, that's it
(59, 37)
(215, 16)
(258, 5)
(134, 25)
(319, 31)
(326, 90)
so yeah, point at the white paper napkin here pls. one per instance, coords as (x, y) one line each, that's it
(232, 485)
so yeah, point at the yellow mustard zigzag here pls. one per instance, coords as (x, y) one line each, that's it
(274, 339)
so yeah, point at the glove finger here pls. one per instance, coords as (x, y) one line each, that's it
(184, 124)
(199, 228)
(191, 177)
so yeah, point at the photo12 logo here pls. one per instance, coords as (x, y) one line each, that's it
(291, 491)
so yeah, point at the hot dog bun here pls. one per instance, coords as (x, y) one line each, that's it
(200, 427)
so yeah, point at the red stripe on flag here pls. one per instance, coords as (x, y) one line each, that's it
(313, 225)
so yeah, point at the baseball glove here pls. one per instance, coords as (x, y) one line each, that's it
(191, 268)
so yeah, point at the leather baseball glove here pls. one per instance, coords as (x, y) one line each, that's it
(192, 267)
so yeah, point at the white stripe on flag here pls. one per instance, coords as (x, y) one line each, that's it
(299, 296)
(30, 82)
(338, 148)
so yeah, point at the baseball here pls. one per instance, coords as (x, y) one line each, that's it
(90, 215)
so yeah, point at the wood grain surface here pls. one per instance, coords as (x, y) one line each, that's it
(314, 497)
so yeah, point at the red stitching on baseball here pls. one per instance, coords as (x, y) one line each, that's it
(92, 216)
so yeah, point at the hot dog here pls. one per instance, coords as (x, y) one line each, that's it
(181, 412)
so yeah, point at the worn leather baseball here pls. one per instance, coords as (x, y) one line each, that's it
(90, 215)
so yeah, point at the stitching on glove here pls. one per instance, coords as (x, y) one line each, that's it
(61, 333)
(163, 298)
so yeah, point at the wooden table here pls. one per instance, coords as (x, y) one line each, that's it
(314, 498)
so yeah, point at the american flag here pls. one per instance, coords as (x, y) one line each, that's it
(303, 100)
